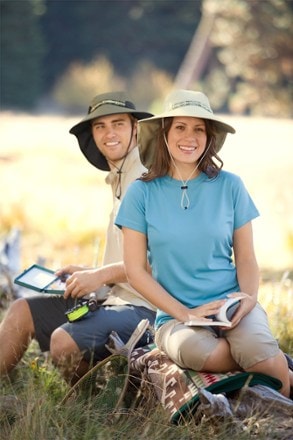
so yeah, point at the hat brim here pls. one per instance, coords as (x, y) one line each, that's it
(148, 130)
(83, 132)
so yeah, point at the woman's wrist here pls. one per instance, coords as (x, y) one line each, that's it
(182, 314)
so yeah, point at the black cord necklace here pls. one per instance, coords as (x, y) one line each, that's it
(118, 190)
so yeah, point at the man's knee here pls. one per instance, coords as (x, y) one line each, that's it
(62, 345)
(66, 356)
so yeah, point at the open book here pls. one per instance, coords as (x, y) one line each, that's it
(222, 318)
(41, 279)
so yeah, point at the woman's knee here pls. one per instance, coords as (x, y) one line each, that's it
(275, 366)
(192, 355)
(252, 351)
(186, 347)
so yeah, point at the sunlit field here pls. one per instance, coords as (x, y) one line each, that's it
(61, 204)
(50, 192)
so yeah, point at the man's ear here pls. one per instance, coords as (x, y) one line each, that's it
(135, 125)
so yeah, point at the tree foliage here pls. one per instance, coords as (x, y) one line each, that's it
(126, 32)
(252, 42)
(246, 64)
(22, 49)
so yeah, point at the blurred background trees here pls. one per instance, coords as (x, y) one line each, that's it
(56, 54)
(253, 63)
(22, 53)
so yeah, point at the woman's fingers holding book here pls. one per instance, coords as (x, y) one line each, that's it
(247, 302)
(205, 310)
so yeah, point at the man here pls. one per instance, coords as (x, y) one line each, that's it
(107, 138)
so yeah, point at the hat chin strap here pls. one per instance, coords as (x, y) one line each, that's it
(185, 201)
(118, 190)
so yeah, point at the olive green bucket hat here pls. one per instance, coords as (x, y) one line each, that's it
(102, 105)
(178, 103)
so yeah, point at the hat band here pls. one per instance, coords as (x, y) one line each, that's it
(127, 104)
(187, 103)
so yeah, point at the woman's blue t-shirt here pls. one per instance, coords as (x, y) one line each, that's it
(190, 250)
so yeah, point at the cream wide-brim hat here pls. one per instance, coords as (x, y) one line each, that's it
(178, 103)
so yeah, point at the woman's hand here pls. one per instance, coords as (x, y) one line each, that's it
(247, 303)
(201, 312)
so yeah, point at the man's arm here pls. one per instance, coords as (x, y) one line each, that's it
(83, 282)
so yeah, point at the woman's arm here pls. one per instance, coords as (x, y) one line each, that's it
(136, 266)
(246, 268)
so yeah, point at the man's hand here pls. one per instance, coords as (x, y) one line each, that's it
(82, 282)
(63, 272)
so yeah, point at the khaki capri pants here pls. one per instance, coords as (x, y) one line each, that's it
(251, 341)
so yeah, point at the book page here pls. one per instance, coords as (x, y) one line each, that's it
(199, 322)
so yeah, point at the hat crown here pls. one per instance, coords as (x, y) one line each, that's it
(116, 99)
(181, 99)
(179, 103)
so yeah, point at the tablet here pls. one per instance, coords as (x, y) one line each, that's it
(41, 279)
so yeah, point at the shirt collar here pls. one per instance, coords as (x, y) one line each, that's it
(131, 158)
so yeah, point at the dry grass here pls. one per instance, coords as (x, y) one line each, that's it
(30, 408)
(50, 191)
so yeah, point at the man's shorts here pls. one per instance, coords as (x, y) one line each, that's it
(48, 313)
(92, 332)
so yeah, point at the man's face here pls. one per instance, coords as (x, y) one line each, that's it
(112, 135)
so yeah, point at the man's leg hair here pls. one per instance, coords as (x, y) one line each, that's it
(67, 356)
(16, 332)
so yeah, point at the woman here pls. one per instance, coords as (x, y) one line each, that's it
(192, 221)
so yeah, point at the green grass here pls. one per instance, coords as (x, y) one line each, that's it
(276, 296)
(36, 413)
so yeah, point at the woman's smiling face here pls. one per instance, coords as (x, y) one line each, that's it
(187, 139)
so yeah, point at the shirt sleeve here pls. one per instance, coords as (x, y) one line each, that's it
(244, 207)
(131, 213)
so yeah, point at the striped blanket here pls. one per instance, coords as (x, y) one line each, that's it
(178, 389)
